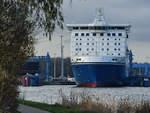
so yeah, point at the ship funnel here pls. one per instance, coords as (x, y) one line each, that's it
(99, 20)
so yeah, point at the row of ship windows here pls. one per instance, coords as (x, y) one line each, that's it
(102, 39)
(93, 44)
(115, 49)
(114, 59)
(100, 28)
(106, 54)
(98, 34)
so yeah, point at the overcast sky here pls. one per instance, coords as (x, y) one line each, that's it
(134, 12)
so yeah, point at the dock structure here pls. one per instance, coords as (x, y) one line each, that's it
(140, 75)
(36, 67)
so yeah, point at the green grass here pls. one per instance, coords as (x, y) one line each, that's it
(53, 108)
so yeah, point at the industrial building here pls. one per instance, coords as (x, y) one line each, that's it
(36, 70)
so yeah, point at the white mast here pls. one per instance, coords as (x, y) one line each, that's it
(99, 20)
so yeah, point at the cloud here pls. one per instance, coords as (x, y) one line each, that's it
(135, 12)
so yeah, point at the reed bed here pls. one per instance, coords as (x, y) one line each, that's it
(106, 104)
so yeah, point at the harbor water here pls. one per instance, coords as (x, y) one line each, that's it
(51, 93)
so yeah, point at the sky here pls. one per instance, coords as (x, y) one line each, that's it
(134, 12)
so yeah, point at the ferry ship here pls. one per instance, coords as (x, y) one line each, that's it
(99, 52)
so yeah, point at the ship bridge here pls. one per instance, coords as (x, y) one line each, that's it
(99, 41)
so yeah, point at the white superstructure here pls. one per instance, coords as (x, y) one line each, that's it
(99, 42)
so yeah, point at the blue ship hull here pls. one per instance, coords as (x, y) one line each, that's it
(99, 74)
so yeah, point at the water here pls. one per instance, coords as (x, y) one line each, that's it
(50, 93)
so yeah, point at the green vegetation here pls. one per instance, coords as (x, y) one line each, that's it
(91, 102)
(123, 107)
(16, 44)
(54, 108)
(19, 19)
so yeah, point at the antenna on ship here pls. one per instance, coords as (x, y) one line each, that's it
(99, 20)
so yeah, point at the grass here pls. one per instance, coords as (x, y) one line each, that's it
(53, 108)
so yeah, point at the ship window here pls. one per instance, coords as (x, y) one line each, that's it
(119, 34)
(119, 49)
(112, 54)
(121, 28)
(115, 39)
(115, 43)
(80, 39)
(87, 34)
(87, 54)
(92, 43)
(87, 43)
(112, 28)
(96, 28)
(76, 34)
(92, 49)
(83, 28)
(82, 34)
(91, 28)
(88, 39)
(102, 39)
(87, 49)
(107, 43)
(118, 54)
(108, 34)
(118, 43)
(107, 49)
(76, 43)
(94, 34)
(80, 49)
(80, 43)
(119, 38)
(102, 43)
(107, 38)
(113, 34)
(102, 49)
(76, 49)
(101, 34)
(115, 49)
(114, 59)
(76, 39)
(75, 28)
